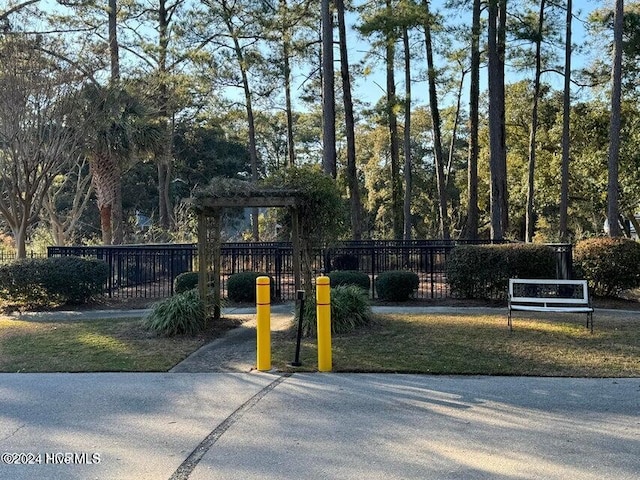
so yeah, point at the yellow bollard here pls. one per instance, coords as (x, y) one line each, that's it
(263, 320)
(323, 312)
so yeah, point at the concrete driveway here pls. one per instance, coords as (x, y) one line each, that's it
(344, 426)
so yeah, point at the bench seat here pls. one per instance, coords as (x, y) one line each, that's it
(553, 296)
(554, 308)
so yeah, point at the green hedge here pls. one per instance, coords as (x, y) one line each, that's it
(241, 287)
(46, 281)
(349, 277)
(483, 271)
(610, 265)
(396, 286)
(185, 281)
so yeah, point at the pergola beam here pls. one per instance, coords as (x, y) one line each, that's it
(212, 203)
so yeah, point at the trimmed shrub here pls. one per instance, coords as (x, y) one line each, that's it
(21, 281)
(185, 281)
(181, 314)
(345, 262)
(136, 273)
(349, 277)
(75, 279)
(43, 281)
(350, 309)
(241, 287)
(610, 265)
(483, 271)
(396, 286)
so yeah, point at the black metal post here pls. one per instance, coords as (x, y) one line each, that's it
(300, 295)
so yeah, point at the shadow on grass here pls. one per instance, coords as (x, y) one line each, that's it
(113, 345)
(481, 345)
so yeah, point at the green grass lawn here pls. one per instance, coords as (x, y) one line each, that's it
(480, 345)
(434, 343)
(88, 346)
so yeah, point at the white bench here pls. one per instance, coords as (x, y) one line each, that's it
(556, 296)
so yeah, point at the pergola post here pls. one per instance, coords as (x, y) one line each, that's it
(202, 259)
(217, 254)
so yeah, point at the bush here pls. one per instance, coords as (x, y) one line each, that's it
(350, 309)
(136, 273)
(610, 265)
(345, 262)
(241, 287)
(185, 281)
(183, 313)
(396, 286)
(75, 279)
(43, 281)
(483, 271)
(350, 277)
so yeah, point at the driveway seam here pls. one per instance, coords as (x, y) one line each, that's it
(183, 472)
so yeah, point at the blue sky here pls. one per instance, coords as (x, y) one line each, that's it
(372, 87)
(369, 88)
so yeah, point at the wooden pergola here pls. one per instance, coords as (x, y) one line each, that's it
(209, 209)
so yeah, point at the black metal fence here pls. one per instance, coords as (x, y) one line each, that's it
(10, 256)
(145, 271)
(148, 271)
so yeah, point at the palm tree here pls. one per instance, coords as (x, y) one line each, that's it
(120, 125)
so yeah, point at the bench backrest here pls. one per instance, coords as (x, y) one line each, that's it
(548, 291)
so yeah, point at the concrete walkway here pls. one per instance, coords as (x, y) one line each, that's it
(236, 351)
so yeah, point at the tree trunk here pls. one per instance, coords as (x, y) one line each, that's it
(291, 150)
(497, 159)
(117, 217)
(407, 137)
(394, 149)
(113, 41)
(352, 172)
(253, 150)
(502, 55)
(614, 130)
(163, 165)
(106, 179)
(111, 213)
(20, 238)
(454, 130)
(57, 231)
(566, 114)
(328, 94)
(164, 155)
(105, 224)
(437, 138)
(474, 96)
(286, 52)
(530, 220)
